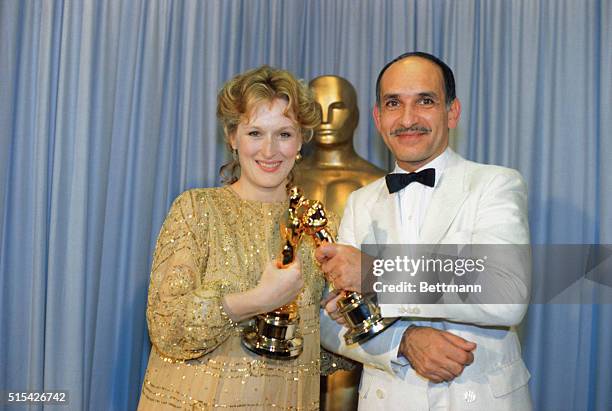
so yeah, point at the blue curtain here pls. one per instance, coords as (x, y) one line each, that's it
(107, 112)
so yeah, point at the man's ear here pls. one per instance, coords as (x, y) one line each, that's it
(454, 113)
(376, 115)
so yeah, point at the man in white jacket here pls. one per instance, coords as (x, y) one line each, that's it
(438, 356)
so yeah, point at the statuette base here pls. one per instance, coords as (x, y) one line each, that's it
(363, 318)
(273, 337)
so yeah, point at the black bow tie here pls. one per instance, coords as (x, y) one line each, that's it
(397, 181)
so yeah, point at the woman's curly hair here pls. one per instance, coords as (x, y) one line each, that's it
(242, 93)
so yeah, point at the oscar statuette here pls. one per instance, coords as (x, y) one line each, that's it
(275, 334)
(361, 313)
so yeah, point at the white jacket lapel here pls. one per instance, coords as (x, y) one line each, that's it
(448, 196)
(385, 218)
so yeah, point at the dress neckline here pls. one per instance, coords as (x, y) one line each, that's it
(264, 204)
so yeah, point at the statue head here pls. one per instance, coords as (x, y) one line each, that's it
(339, 113)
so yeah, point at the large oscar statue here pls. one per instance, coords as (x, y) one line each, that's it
(334, 170)
(329, 174)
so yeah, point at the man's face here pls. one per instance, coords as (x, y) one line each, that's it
(412, 118)
(338, 110)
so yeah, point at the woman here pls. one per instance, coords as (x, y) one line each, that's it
(213, 266)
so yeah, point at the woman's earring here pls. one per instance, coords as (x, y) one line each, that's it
(298, 157)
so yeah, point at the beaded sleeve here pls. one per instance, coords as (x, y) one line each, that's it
(184, 312)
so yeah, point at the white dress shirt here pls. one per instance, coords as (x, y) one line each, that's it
(414, 199)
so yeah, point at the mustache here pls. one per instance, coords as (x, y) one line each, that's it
(417, 128)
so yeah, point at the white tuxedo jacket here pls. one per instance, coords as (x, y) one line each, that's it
(472, 204)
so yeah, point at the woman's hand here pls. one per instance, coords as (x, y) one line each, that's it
(277, 287)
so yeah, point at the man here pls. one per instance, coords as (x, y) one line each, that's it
(447, 356)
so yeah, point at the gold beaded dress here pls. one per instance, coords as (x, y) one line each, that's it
(213, 243)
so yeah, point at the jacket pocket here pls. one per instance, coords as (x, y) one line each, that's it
(509, 377)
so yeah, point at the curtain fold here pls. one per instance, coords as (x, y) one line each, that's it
(107, 112)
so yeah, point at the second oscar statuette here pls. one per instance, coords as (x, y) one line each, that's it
(362, 313)
(275, 334)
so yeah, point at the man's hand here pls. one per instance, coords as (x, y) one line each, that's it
(435, 354)
(341, 264)
(330, 304)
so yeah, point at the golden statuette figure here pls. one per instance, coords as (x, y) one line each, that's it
(275, 334)
(333, 169)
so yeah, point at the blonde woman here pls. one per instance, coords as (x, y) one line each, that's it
(213, 265)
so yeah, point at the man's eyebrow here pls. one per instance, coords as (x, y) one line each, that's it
(390, 96)
(430, 94)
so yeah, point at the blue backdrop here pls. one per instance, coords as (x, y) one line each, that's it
(107, 113)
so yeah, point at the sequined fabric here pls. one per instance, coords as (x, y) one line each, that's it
(213, 243)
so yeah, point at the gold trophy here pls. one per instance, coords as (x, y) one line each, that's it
(361, 313)
(275, 334)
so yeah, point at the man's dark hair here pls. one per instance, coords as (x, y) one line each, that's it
(447, 74)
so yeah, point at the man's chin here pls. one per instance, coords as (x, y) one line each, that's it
(414, 158)
(416, 155)
(413, 162)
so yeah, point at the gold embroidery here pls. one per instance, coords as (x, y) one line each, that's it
(213, 243)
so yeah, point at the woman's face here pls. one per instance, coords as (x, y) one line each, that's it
(267, 144)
